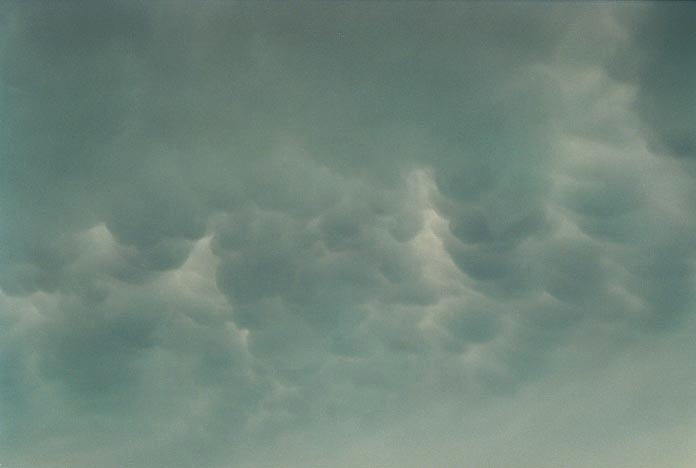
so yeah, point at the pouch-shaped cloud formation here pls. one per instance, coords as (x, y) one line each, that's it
(346, 234)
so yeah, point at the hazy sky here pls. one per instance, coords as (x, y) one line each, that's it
(347, 235)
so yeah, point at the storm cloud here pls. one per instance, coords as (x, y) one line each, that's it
(347, 234)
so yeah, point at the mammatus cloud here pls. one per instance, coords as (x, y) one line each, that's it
(346, 234)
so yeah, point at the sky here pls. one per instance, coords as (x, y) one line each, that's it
(347, 234)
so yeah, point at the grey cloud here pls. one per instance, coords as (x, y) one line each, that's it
(258, 234)
(660, 62)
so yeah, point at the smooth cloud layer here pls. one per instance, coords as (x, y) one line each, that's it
(345, 234)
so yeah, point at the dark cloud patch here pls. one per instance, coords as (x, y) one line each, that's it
(660, 62)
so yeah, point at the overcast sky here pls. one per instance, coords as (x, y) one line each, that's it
(347, 234)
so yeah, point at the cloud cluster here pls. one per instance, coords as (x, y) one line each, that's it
(255, 234)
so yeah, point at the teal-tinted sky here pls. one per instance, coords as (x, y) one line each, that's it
(347, 234)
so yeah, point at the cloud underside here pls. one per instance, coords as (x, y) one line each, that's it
(346, 234)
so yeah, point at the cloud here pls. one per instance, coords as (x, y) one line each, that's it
(659, 60)
(342, 234)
